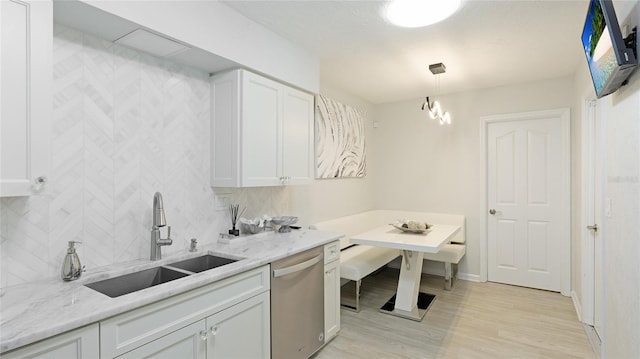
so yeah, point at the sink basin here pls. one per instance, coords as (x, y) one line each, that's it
(129, 283)
(202, 263)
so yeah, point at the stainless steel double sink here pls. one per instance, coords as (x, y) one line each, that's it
(129, 283)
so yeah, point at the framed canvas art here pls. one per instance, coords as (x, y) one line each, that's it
(340, 140)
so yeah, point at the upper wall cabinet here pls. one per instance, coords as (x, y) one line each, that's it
(261, 132)
(26, 93)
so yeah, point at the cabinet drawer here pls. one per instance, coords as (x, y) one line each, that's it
(184, 343)
(331, 252)
(130, 330)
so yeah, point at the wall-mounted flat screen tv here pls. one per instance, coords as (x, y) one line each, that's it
(610, 61)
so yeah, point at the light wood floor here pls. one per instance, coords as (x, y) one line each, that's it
(474, 320)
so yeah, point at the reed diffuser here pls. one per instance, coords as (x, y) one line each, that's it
(235, 213)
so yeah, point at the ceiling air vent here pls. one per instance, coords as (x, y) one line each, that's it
(152, 43)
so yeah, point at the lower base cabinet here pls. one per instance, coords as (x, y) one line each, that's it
(331, 290)
(331, 300)
(241, 331)
(82, 343)
(226, 319)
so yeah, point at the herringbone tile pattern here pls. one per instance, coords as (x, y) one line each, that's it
(125, 125)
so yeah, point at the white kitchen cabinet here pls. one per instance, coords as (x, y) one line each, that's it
(331, 290)
(82, 343)
(154, 323)
(262, 132)
(241, 331)
(26, 95)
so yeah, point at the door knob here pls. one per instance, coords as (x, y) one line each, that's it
(41, 180)
(593, 228)
(492, 211)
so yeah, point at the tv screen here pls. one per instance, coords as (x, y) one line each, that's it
(610, 61)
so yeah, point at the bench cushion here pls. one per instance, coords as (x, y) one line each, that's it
(451, 253)
(358, 261)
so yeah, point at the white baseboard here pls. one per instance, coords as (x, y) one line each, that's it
(594, 340)
(469, 277)
(577, 305)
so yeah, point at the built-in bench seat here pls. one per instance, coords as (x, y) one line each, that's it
(358, 261)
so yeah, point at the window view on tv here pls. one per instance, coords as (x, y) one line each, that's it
(601, 56)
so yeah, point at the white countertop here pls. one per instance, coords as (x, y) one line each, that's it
(38, 310)
(430, 241)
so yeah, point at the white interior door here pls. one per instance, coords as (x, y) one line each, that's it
(591, 249)
(595, 231)
(528, 200)
(595, 227)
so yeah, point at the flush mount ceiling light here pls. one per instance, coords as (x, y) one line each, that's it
(433, 107)
(419, 13)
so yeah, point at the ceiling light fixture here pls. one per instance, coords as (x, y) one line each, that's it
(434, 108)
(419, 13)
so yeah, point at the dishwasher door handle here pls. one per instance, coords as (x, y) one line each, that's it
(297, 267)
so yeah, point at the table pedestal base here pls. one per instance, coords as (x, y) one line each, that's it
(424, 302)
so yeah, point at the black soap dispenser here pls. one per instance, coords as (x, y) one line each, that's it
(71, 267)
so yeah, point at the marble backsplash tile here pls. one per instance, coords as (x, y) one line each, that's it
(125, 125)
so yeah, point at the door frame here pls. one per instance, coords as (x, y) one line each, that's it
(564, 114)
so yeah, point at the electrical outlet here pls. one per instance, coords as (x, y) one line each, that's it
(222, 201)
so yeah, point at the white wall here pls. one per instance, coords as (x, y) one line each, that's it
(331, 198)
(621, 115)
(420, 165)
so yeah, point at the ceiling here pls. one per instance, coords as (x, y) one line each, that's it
(484, 44)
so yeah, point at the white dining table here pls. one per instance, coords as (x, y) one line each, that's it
(409, 302)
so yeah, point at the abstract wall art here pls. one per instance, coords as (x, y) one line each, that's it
(340, 140)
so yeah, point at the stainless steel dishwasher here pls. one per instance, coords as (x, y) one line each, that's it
(297, 305)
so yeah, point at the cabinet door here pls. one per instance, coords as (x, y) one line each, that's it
(242, 331)
(298, 141)
(81, 343)
(331, 299)
(261, 131)
(225, 130)
(185, 343)
(26, 80)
